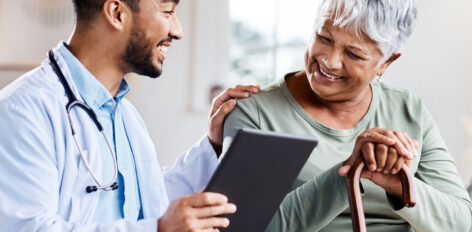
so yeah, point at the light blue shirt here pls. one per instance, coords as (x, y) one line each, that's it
(43, 178)
(125, 201)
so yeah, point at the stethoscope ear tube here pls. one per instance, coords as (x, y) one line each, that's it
(62, 78)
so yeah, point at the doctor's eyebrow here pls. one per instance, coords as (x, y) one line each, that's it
(174, 1)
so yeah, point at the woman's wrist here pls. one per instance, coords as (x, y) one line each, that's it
(394, 189)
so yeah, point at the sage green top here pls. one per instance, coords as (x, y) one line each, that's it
(319, 200)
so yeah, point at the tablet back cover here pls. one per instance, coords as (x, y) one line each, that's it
(257, 172)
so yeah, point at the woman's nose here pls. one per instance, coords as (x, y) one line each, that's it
(333, 61)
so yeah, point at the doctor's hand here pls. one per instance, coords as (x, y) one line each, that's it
(384, 152)
(196, 212)
(222, 106)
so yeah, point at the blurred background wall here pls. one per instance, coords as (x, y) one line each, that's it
(240, 41)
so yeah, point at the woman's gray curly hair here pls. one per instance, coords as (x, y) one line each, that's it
(386, 22)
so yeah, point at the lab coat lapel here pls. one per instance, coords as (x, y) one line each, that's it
(154, 198)
(83, 204)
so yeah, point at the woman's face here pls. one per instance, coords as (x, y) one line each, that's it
(339, 66)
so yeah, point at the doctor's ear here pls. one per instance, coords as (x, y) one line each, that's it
(117, 13)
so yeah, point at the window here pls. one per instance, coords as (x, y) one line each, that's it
(268, 38)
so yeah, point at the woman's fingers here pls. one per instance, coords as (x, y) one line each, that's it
(392, 157)
(376, 137)
(398, 165)
(381, 152)
(368, 136)
(373, 147)
(369, 156)
(413, 144)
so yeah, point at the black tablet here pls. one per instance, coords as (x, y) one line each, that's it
(256, 173)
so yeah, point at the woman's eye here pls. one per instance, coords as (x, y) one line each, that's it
(354, 56)
(324, 39)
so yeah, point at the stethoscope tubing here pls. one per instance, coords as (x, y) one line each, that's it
(74, 102)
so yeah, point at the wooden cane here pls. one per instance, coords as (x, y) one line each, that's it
(355, 198)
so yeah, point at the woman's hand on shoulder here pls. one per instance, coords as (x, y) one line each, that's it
(384, 152)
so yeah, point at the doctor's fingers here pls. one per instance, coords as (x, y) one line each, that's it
(209, 224)
(240, 91)
(215, 133)
(214, 210)
(211, 230)
(198, 200)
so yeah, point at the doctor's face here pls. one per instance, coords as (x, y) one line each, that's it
(154, 28)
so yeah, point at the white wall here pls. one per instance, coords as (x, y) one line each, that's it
(28, 29)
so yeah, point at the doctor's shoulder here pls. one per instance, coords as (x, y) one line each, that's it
(36, 92)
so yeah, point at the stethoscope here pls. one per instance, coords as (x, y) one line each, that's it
(112, 185)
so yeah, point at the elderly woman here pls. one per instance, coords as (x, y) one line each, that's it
(337, 101)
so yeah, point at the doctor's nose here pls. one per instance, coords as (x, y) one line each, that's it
(176, 31)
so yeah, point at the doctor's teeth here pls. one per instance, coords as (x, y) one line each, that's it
(162, 48)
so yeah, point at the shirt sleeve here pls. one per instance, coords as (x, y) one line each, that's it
(442, 204)
(191, 171)
(313, 205)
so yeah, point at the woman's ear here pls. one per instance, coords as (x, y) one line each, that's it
(383, 67)
(116, 13)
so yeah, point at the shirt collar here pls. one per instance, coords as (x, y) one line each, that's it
(90, 89)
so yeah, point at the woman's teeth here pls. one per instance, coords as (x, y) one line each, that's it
(329, 76)
(162, 48)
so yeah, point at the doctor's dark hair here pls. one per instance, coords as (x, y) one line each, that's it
(87, 10)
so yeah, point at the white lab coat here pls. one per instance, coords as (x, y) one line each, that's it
(42, 177)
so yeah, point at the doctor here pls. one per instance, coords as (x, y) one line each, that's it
(92, 166)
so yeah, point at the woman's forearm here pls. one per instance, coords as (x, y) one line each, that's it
(313, 205)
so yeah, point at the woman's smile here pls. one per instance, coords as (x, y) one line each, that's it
(324, 74)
